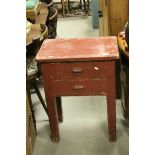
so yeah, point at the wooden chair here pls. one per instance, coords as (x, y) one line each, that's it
(37, 41)
(33, 74)
(86, 6)
(31, 84)
(35, 37)
(52, 22)
(33, 70)
(48, 2)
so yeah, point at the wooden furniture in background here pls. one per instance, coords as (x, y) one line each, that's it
(43, 14)
(34, 32)
(113, 14)
(32, 9)
(30, 130)
(124, 61)
(79, 67)
(39, 15)
(35, 37)
(66, 7)
(52, 23)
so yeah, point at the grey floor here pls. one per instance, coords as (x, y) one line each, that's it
(84, 130)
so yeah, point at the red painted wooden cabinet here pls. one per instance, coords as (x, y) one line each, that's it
(79, 67)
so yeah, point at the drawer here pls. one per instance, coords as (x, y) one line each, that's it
(78, 70)
(78, 87)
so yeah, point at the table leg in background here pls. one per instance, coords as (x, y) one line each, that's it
(59, 109)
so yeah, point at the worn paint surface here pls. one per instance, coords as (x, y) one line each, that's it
(74, 49)
(72, 67)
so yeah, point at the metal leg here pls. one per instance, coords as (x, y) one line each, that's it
(80, 4)
(69, 5)
(84, 6)
(88, 5)
(63, 8)
(66, 6)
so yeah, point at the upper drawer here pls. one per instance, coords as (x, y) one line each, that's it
(77, 70)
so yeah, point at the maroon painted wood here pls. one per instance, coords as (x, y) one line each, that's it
(79, 49)
(78, 70)
(79, 67)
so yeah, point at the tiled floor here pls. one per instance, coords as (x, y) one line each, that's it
(84, 130)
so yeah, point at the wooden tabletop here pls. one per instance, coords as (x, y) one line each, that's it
(122, 44)
(34, 32)
(78, 49)
(42, 16)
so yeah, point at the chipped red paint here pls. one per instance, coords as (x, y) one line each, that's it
(78, 48)
(79, 67)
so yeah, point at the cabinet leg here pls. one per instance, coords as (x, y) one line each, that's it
(111, 104)
(59, 109)
(53, 119)
(111, 111)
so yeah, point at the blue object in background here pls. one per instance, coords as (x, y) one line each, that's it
(94, 11)
(31, 4)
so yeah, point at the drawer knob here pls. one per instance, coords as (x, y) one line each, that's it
(76, 70)
(78, 87)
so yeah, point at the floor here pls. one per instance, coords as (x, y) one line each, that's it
(84, 129)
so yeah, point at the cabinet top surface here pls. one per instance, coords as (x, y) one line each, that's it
(78, 49)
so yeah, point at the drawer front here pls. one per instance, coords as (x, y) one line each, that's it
(78, 87)
(77, 70)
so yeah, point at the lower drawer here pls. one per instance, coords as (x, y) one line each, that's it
(79, 88)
